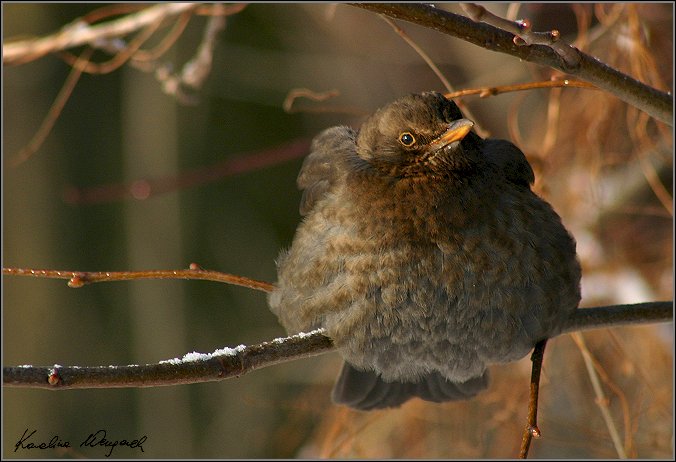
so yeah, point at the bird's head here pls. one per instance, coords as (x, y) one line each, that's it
(418, 135)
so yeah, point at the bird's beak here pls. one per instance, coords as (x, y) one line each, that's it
(457, 130)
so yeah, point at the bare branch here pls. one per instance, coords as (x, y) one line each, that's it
(619, 315)
(601, 399)
(55, 110)
(81, 33)
(124, 54)
(449, 88)
(306, 93)
(195, 72)
(485, 92)
(77, 279)
(657, 103)
(523, 34)
(402, 33)
(581, 319)
(229, 362)
(532, 431)
(222, 364)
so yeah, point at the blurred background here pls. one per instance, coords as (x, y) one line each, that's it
(131, 178)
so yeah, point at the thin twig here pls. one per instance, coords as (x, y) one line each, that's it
(77, 279)
(485, 92)
(80, 33)
(523, 35)
(123, 55)
(195, 368)
(195, 72)
(192, 368)
(55, 110)
(658, 104)
(167, 41)
(532, 431)
(402, 33)
(581, 319)
(296, 93)
(124, 52)
(624, 403)
(601, 399)
(449, 88)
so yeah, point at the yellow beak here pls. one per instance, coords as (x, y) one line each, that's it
(457, 130)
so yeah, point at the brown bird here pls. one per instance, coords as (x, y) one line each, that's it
(424, 254)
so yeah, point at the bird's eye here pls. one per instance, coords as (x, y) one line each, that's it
(406, 139)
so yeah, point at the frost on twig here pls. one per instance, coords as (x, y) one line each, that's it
(193, 367)
(234, 362)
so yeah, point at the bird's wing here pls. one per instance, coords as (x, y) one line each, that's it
(327, 161)
(510, 160)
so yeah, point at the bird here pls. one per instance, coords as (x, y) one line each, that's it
(424, 254)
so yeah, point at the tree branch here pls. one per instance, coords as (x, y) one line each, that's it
(77, 279)
(234, 362)
(531, 430)
(192, 368)
(81, 33)
(657, 103)
(619, 315)
(601, 400)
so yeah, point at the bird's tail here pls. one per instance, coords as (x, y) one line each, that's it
(366, 390)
